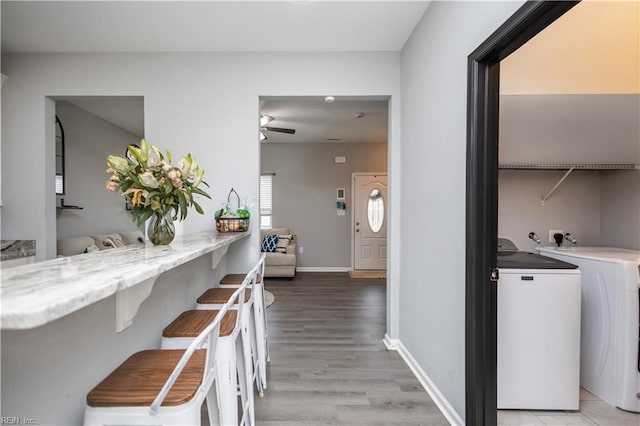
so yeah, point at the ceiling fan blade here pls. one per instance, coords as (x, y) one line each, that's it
(280, 130)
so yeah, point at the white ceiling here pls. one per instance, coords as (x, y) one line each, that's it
(196, 26)
(317, 121)
(246, 26)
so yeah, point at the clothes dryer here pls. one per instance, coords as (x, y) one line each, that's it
(610, 352)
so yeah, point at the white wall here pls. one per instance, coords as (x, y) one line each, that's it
(574, 207)
(304, 195)
(88, 141)
(432, 260)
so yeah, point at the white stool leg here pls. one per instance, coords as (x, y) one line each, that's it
(255, 355)
(248, 312)
(226, 381)
(213, 407)
(248, 366)
(260, 329)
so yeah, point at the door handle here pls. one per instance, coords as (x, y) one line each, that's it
(357, 223)
(357, 230)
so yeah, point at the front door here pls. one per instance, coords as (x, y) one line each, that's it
(370, 221)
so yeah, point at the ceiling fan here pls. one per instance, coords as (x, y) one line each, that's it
(266, 119)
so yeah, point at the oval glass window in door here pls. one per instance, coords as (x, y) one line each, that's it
(375, 210)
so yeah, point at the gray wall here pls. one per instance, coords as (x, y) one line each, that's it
(560, 129)
(432, 258)
(209, 108)
(88, 141)
(620, 209)
(203, 103)
(574, 207)
(304, 195)
(598, 208)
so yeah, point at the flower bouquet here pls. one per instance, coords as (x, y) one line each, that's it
(155, 188)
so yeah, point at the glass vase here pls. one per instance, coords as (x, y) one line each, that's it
(161, 229)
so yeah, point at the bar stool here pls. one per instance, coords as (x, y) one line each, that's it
(161, 386)
(213, 298)
(180, 333)
(260, 317)
(231, 365)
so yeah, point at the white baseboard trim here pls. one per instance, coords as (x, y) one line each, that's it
(391, 344)
(323, 269)
(441, 402)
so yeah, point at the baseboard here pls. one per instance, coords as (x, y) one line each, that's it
(323, 269)
(391, 344)
(441, 402)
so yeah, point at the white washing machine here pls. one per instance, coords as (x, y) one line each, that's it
(538, 332)
(610, 353)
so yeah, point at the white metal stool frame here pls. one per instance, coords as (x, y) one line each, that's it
(232, 368)
(185, 414)
(249, 350)
(261, 330)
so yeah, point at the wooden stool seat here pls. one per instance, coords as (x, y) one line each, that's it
(192, 323)
(233, 279)
(138, 380)
(220, 296)
(236, 279)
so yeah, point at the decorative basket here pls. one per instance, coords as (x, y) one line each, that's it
(231, 223)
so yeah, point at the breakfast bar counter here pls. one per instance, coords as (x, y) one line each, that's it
(68, 322)
(36, 294)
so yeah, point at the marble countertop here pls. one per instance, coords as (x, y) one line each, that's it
(36, 294)
(14, 249)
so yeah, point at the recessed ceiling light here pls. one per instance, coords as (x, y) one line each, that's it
(329, 99)
(359, 115)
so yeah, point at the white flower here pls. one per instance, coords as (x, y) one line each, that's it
(149, 180)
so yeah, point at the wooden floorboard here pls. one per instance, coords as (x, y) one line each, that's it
(328, 363)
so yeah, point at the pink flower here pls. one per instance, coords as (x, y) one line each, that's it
(111, 186)
(177, 182)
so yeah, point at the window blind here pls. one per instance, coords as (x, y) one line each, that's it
(266, 194)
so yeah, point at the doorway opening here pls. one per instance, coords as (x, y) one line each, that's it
(310, 148)
(93, 127)
(481, 272)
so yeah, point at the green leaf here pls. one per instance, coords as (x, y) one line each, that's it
(201, 192)
(183, 203)
(197, 207)
(140, 215)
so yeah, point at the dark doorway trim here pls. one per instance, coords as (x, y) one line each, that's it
(483, 91)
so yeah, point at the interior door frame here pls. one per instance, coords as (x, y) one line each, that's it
(353, 213)
(483, 91)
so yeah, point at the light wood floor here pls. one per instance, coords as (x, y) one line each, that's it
(328, 365)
